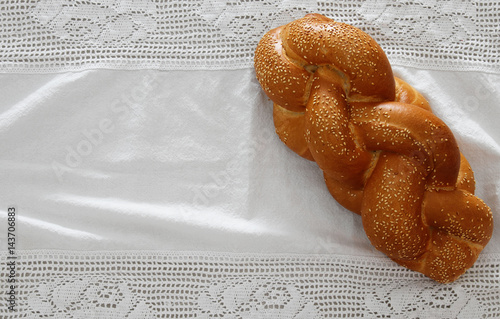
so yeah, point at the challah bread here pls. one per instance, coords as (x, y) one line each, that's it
(383, 153)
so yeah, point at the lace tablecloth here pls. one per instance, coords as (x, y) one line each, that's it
(141, 176)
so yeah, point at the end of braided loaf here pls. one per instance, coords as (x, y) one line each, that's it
(384, 154)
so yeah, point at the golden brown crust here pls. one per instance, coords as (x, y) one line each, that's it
(391, 207)
(405, 93)
(285, 83)
(349, 197)
(290, 129)
(384, 154)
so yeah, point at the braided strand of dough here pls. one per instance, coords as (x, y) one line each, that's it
(384, 154)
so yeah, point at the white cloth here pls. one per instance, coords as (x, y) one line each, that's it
(140, 155)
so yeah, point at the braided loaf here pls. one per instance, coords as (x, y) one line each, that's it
(384, 154)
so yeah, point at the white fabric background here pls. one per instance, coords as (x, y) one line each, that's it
(116, 148)
(104, 159)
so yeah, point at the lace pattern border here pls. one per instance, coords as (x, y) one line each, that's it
(62, 35)
(132, 284)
